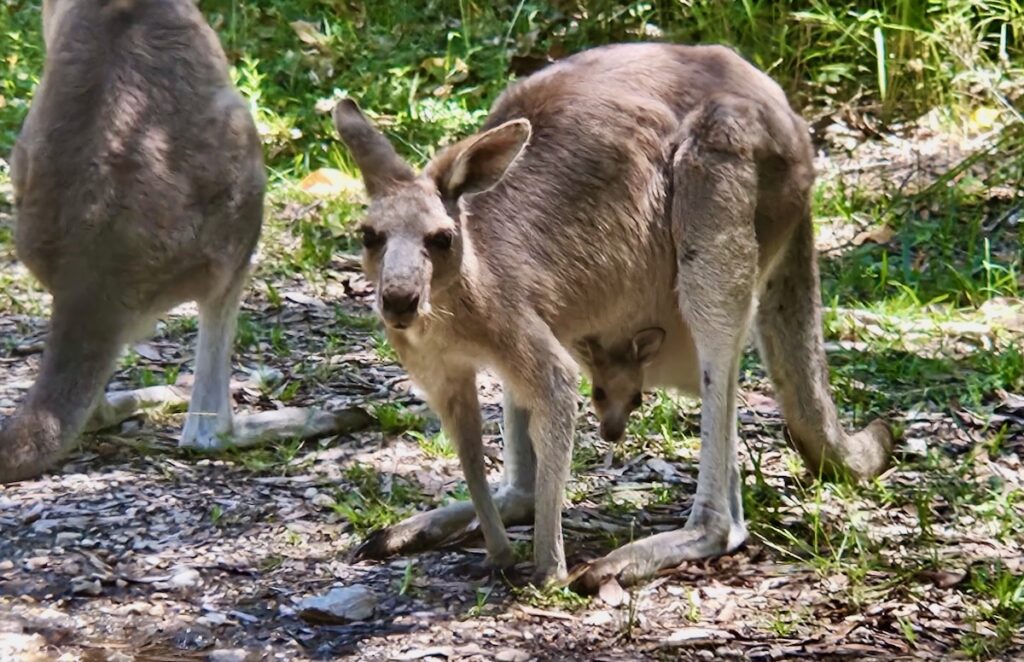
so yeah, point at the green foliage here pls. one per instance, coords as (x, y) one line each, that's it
(373, 501)
(438, 445)
(551, 596)
(1000, 604)
(430, 85)
(429, 70)
(395, 419)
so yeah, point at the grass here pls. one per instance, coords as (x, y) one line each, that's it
(395, 419)
(427, 72)
(1000, 595)
(372, 501)
(551, 596)
(437, 446)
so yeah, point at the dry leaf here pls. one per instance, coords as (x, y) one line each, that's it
(328, 182)
(943, 578)
(882, 234)
(1013, 401)
(147, 351)
(308, 33)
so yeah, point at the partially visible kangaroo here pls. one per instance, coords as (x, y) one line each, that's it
(138, 184)
(660, 183)
(616, 372)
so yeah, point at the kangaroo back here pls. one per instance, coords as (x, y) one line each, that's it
(138, 180)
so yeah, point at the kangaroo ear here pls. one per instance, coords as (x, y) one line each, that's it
(589, 349)
(479, 162)
(383, 169)
(646, 344)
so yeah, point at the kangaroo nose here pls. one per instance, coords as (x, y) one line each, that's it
(611, 431)
(400, 303)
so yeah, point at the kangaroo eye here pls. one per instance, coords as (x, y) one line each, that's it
(371, 238)
(599, 394)
(638, 400)
(440, 241)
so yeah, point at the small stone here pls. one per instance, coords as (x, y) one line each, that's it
(917, 445)
(6, 565)
(340, 605)
(228, 655)
(86, 586)
(72, 568)
(184, 577)
(44, 525)
(310, 493)
(612, 593)
(512, 655)
(598, 618)
(212, 619)
(36, 562)
(321, 500)
(688, 635)
(65, 538)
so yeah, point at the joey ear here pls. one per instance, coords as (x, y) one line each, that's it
(481, 162)
(380, 164)
(646, 344)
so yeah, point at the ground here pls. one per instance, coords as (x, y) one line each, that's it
(136, 549)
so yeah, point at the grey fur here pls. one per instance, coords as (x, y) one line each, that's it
(139, 183)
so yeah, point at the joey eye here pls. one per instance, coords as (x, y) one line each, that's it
(638, 400)
(441, 240)
(599, 394)
(371, 238)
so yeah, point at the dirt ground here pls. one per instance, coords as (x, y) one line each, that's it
(136, 550)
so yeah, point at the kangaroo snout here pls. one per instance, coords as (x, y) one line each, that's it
(612, 430)
(399, 307)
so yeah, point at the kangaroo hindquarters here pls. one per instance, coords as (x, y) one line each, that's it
(713, 210)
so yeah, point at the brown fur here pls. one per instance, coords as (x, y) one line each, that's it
(138, 184)
(662, 186)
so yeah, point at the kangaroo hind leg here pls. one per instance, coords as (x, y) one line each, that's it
(713, 223)
(209, 421)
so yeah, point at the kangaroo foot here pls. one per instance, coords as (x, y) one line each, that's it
(418, 533)
(270, 426)
(703, 537)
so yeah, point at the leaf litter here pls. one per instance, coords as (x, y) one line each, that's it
(137, 550)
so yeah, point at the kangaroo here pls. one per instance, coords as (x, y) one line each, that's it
(138, 184)
(616, 372)
(659, 182)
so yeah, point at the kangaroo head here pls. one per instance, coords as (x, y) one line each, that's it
(413, 234)
(617, 377)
